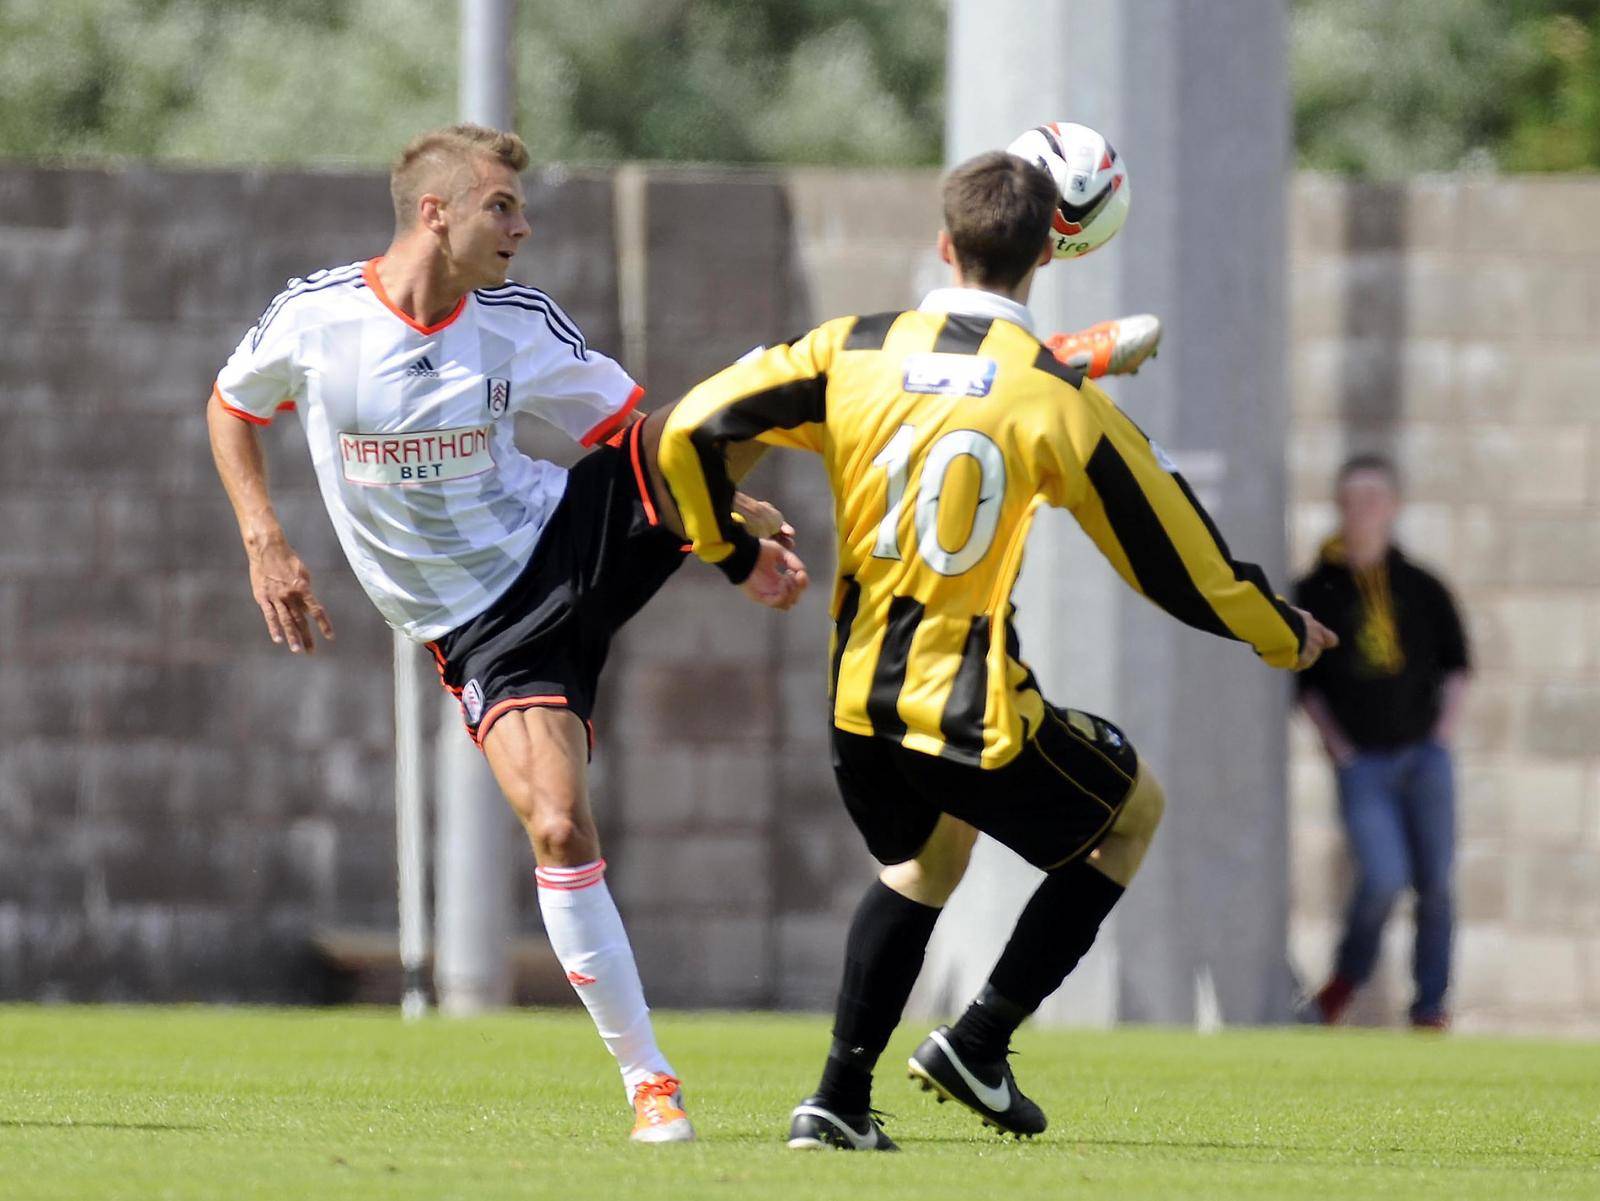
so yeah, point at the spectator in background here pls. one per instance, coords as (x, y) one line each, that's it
(1385, 702)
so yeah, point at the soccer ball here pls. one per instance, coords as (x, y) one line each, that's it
(1092, 179)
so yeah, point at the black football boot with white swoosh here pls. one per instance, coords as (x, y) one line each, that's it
(987, 1088)
(814, 1127)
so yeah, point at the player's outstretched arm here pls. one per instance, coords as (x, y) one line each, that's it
(761, 561)
(278, 579)
(760, 517)
(778, 396)
(1130, 499)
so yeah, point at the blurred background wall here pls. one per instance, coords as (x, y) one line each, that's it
(184, 807)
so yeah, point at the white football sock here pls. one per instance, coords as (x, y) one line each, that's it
(586, 933)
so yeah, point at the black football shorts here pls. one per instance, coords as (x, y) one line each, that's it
(1053, 803)
(601, 557)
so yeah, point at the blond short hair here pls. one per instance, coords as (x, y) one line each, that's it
(437, 160)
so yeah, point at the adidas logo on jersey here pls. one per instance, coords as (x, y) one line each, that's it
(423, 368)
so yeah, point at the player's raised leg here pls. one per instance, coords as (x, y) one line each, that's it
(1116, 347)
(540, 758)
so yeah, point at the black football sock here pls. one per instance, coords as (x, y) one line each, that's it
(1056, 928)
(883, 955)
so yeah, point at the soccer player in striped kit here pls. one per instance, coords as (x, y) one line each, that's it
(405, 370)
(943, 429)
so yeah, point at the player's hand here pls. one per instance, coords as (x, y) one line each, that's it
(763, 519)
(1319, 638)
(282, 588)
(777, 579)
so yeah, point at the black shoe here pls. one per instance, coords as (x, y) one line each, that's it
(987, 1088)
(814, 1126)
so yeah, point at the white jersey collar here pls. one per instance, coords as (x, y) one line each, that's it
(977, 303)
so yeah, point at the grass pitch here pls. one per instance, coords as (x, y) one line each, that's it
(320, 1106)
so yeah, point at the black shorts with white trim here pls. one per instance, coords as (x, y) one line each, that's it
(1052, 803)
(542, 644)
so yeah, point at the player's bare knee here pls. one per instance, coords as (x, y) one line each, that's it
(559, 838)
(1145, 808)
(553, 822)
(933, 875)
(1123, 850)
(926, 884)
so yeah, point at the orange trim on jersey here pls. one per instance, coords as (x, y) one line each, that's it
(216, 391)
(614, 422)
(638, 474)
(286, 404)
(369, 274)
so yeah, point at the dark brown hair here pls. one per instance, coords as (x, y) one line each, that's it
(436, 161)
(1382, 464)
(997, 210)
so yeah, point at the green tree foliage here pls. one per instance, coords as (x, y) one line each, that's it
(1396, 87)
(1556, 114)
(322, 81)
(1382, 87)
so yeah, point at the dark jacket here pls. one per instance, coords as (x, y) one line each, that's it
(1400, 635)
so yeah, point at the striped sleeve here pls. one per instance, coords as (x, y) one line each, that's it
(580, 391)
(258, 378)
(1146, 520)
(778, 396)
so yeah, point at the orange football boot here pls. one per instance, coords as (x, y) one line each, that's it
(658, 1115)
(1116, 347)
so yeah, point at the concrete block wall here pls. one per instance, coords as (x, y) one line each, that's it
(181, 803)
(1455, 323)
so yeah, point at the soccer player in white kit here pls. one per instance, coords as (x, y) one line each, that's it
(405, 370)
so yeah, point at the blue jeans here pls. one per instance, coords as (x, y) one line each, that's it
(1399, 813)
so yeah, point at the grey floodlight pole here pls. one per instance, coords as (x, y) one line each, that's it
(475, 834)
(1196, 99)
(410, 825)
(487, 89)
(1010, 67)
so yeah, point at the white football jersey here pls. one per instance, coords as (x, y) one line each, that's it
(411, 433)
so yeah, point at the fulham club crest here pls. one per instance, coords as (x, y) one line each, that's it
(499, 397)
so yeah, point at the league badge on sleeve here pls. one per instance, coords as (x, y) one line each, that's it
(499, 397)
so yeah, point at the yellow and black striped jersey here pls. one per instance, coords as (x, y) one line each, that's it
(942, 434)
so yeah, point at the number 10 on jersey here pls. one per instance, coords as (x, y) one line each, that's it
(895, 459)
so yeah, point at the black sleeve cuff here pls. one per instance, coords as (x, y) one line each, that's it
(746, 549)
